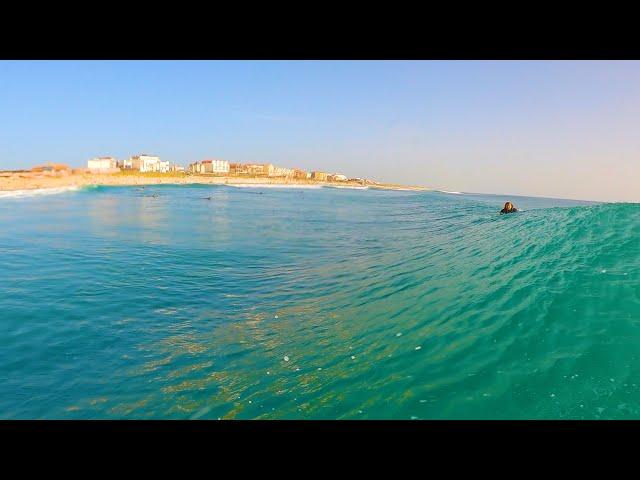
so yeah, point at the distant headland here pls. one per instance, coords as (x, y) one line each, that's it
(147, 169)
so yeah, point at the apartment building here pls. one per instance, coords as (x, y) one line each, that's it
(102, 165)
(146, 163)
(300, 174)
(282, 172)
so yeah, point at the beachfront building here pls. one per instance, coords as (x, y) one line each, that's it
(336, 177)
(300, 174)
(220, 167)
(163, 166)
(260, 169)
(176, 168)
(237, 169)
(146, 163)
(102, 165)
(282, 172)
(252, 169)
(319, 176)
(361, 181)
(195, 167)
(268, 169)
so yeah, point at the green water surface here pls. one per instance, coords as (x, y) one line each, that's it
(316, 304)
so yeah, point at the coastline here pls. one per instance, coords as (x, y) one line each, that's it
(13, 181)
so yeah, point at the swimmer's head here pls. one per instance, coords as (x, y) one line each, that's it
(508, 206)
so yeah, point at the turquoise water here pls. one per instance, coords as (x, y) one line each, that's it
(316, 304)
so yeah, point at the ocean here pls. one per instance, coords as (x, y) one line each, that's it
(216, 302)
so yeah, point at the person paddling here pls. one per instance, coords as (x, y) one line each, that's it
(508, 208)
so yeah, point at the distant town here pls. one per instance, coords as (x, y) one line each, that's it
(145, 163)
(151, 169)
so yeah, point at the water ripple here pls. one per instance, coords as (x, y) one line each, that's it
(330, 303)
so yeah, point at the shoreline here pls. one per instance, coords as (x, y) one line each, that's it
(13, 181)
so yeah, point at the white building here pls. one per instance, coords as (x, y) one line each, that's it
(281, 172)
(145, 163)
(210, 166)
(219, 166)
(102, 164)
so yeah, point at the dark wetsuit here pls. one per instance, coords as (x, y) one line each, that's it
(513, 210)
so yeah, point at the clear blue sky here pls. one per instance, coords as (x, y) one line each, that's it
(564, 129)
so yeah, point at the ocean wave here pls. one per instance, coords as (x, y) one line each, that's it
(36, 192)
(451, 192)
(428, 306)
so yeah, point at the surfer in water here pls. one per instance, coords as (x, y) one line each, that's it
(508, 208)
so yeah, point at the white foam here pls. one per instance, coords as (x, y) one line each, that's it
(36, 191)
(394, 189)
(350, 187)
(271, 185)
(452, 192)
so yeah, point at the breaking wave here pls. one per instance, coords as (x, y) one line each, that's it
(37, 191)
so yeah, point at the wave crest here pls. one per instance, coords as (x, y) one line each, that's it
(36, 192)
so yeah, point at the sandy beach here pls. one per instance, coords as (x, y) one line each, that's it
(11, 181)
